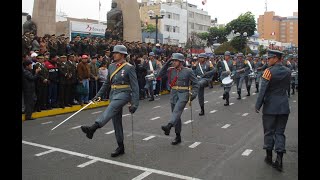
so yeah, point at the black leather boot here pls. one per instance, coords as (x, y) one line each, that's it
(239, 94)
(292, 91)
(268, 158)
(227, 100)
(224, 96)
(202, 111)
(119, 151)
(278, 163)
(257, 87)
(177, 140)
(167, 128)
(89, 130)
(248, 90)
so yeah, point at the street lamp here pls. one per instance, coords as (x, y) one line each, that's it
(151, 15)
(245, 36)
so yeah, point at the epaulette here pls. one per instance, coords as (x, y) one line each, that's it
(267, 74)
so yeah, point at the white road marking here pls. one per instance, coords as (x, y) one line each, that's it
(187, 122)
(75, 127)
(231, 104)
(245, 114)
(87, 163)
(294, 101)
(225, 126)
(220, 96)
(218, 102)
(125, 115)
(47, 122)
(233, 92)
(156, 107)
(185, 108)
(232, 97)
(154, 118)
(157, 99)
(96, 112)
(45, 152)
(165, 173)
(206, 102)
(110, 132)
(198, 110)
(246, 152)
(194, 144)
(213, 111)
(214, 91)
(244, 98)
(253, 93)
(142, 176)
(148, 138)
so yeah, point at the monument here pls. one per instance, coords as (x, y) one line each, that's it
(115, 21)
(44, 15)
(30, 26)
(130, 25)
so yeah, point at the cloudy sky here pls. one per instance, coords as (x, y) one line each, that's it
(224, 10)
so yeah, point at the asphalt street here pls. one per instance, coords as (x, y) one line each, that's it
(225, 144)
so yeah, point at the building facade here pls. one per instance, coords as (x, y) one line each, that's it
(282, 29)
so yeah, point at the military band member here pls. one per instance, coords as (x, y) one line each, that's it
(241, 68)
(124, 89)
(293, 69)
(258, 64)
(274, 85)
(200, 68)
(184, 88)
(151, 66)
(248, 79)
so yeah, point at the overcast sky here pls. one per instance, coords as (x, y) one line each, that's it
(224, 10)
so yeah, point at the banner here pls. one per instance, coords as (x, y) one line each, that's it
(83, 27)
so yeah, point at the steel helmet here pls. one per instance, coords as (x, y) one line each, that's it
(227, 53)
(151, 53)
(178, 56)
(120, 49)
(202, 55)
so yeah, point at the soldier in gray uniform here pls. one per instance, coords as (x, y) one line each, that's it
(241, 68)
(149, 82)
(287, 63)
(200, 69)
(293, 69)
(258, 64)
(122, 78)
(184, 88)
(248, 80)
(226, 73)
(295, 58)
(274, 85)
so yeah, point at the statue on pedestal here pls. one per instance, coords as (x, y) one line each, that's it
(30, 26)
(115, 20)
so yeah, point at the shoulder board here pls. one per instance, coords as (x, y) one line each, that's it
(267, 74)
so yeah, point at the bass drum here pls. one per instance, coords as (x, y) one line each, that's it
(150, 77)
(227, 81)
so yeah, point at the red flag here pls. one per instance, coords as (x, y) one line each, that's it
(273, 33)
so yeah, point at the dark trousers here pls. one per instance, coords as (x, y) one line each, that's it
(273, 128)
(53, 93)
(42, 96)
(158, 86)
(63, 95)
(202, 84)
(93, 88)
(72, 93)
(29, 101)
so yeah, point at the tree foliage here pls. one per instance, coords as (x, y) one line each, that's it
(195, 41)
(150, 28)
(225, 47)
(215, 35)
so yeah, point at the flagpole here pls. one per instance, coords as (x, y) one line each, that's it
(99, 11)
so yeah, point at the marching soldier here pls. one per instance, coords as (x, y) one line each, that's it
(288, 64)
(241, 68)
(124, 89)
(184, 88)
(258, 64)
(293, 69)
(274, 85)
(227, 68)
(200, 68)
(248, 79)
(295, 58)
(151, 66)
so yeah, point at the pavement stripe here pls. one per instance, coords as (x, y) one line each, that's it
(96, 112)
(47, 122)
(244, 98)
(198, 110)
(194, 144)
(87, 163)
(148, 138)
(157, 99)
(142, 176)
(185, 108)
(294, 101)
(214, 91)
(187, 122)
(110, 132)
(225, 126)
(125, 115)
(245, 114)
(206, 102)
(233, 92)
(46, 152)
(243, 89)
(231, 104)
(246, 152)
(253, 93)
(165, 173)
(220, 96)
(154, 118)
(213, 111)
(156, 107)
(75, 127)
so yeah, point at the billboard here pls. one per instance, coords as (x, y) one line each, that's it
(87, 28)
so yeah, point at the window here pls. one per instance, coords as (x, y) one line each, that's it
(176, 16)
(283, 35)
(291, 27)
(191, 14)
(192, 25)
(174, 29)
(169, 15)
(291, 31)
(291, 23)
(167, 27)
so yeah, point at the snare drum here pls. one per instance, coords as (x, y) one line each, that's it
(150, 77)
(227, 81)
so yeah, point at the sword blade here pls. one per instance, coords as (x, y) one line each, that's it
(91, 102)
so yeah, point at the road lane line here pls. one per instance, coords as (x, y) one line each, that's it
(185, 108)
(156, 107)
(47, 122)
(233, 92)
(213, 111)
(187, 122)
(245, 114)
(148, 138)
(45, 152)
(87, 163)
(110, 132)
(152, 119)
(96, 112)
(205, 102)
(165, 173)
(244, 98)
(125, 115)
(142, 176)
(231, 104)
(194, 144)
(76, 127)
(225, 126)
(246, 152)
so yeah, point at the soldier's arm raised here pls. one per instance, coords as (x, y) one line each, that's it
(164, 68)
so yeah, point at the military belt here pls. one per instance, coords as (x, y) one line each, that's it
(180, 87)
(120, 86)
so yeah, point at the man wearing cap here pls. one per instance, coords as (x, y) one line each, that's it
(41, 84)
(83, 70)
(274, 86)
(184, 87)
(52, 67)
(62, 45)
(248, 80)
(151, 66)
(64, 75)
(124, 89)
(93, 83)
(241, 68)
(227, 68)
(72, 80)
(200, 68)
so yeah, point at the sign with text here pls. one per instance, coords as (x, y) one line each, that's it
(87, 27)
